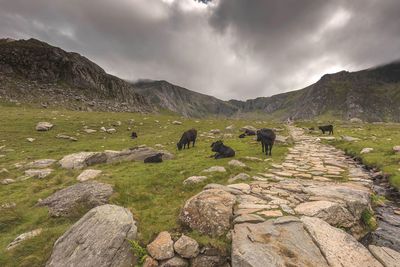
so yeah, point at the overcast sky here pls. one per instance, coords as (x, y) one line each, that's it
(227, 48)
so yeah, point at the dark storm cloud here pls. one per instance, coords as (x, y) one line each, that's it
(228, 48)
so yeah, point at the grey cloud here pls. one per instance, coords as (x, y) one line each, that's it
(230, 48)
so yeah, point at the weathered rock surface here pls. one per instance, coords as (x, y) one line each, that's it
(215, 169)
(44, 126)
(38, 173)
(186, 247)
(82, 159)
(99, 238)
(175, 262)
(162, 247)
(66, 137)
(280, 242)
(240, 176)
(23, 237)
(387, 256)
(366, 150)
(236, 163)
(209, 261)
(41, 163)
(210, 212)
(338, 247)
(88, 174)
(150, 262)
(7, 181)
(194, 180)
(248, 127)
(88, 194)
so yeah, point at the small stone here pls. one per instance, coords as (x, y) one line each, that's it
(88, 175)
(186, 247)
(215, 169)
(111, 130)
(177, 122)
(44, 126)
(41, 163)
(215, 131)
(236, 163)
(67, 137)
(366, 150)
(29, 139)
(23, 237)
(396, 149)
(42, 173)
(7, 181)
(89, 131)
(162, 247)
(194, 180)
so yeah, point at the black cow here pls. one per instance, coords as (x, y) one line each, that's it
(242, 136)
(133, 135)
(326, 128)
(157, 158)
(187, 137)
(267, 139)
(222, 151)
(249, 132)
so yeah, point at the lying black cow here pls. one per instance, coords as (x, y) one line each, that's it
(249, 132)
(242, 136)
(267, 139)
(187, 137)
(326, 128)
(133, 135)
(157, 158)
(222, 151)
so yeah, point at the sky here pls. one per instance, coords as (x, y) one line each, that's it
(231, 49)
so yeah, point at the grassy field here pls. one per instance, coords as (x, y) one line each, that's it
(154, 193)
(381, 137)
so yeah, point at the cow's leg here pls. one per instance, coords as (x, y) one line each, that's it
(266, 149)
(262, 146)
(270, 149)
(194, 141)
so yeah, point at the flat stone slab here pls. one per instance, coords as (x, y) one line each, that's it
(41, 163)
(88, 174)
(99, 238)
(88, 194)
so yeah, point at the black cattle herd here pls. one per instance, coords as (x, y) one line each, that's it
(265, 136)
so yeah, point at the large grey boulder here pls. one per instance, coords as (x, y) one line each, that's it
(338, 247)
(279, 242)
(44, 126)
(88, 194)
(82, 159)
(210, 212)
(99, 238)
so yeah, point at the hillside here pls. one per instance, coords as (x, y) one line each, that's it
(183, 101)
(372, 95)
(32, 71)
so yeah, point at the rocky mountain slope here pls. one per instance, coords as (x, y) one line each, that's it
(32, 71)
(372, 95)
(183, 101)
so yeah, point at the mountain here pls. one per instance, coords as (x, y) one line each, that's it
(371, 95)
(183, 101)
(32, 71)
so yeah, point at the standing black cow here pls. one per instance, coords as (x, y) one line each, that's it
(222, 151)
(187, 137)
(326, 128)
(267, 139)
(157, 158)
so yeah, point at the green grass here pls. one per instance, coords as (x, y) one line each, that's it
(381, 137)
(154, 193)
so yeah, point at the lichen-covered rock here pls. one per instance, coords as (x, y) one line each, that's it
(210, 212)
(82, 159)
(99, 238)
(186, 247)
(89, 194)
(162, 247)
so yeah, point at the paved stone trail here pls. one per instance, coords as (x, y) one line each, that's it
(296, 212)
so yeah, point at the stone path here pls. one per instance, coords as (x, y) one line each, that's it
(307, 211)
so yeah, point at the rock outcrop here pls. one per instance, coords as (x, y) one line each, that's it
(81, 195)
(99, 238)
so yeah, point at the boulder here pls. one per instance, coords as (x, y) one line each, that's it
(99, 238)
(135, 154)
(338, 247)
(366, 150)
(186, 247)
(333, 213)
(38, 173)
(279, 242)
(194, 180)
(111, 130)
(23, 237)
(230, 128)
(89, 131)
(88, 174)
(82, 159)
(41, 163)
(215, 169)
(210, 212)
(236, 163)
(248, 127)
(44, 126)
(162, 247)
(175, 262)
(89, 194)
(387, 256)
(240, 176)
